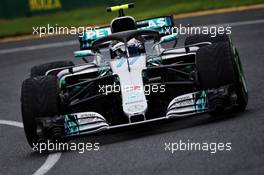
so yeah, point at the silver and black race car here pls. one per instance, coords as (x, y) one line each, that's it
(128, 78)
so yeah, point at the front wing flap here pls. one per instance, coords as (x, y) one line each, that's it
(76, 124)
(188, 104)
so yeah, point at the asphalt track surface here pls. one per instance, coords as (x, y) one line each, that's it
(141, 150)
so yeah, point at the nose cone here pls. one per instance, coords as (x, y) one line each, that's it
(135, 108)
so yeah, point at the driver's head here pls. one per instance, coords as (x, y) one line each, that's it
(118, 50)
(135, 48)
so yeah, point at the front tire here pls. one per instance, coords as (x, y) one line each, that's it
(218, 65)
(39, 98)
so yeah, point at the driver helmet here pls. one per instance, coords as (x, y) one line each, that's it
(135, 48)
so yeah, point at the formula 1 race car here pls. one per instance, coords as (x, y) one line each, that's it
(131, 79)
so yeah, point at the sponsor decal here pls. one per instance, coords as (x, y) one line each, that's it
(135, 108)
(96, 33)
(131, 62)
(120, 64)
(133, 96)
(158, 24)
(35, 5)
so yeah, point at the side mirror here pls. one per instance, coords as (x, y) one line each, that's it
(84, 53)
(168, 38)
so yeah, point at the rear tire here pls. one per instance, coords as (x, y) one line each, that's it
(194, 39)
(39, 98)
(41, 70)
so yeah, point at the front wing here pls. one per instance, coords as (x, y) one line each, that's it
(182, 106)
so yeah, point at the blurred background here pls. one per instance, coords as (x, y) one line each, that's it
(17, 17)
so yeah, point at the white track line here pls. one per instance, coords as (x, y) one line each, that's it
(71, 43)
(51, 160)
(11, 123)
(48, 164)
(240, 23)
(244, 23)
(37, 47)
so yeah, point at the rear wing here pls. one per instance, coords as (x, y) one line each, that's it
(161, 24)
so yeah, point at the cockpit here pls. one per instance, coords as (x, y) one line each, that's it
(126, 43)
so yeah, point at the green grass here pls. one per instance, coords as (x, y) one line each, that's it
(98, 15)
